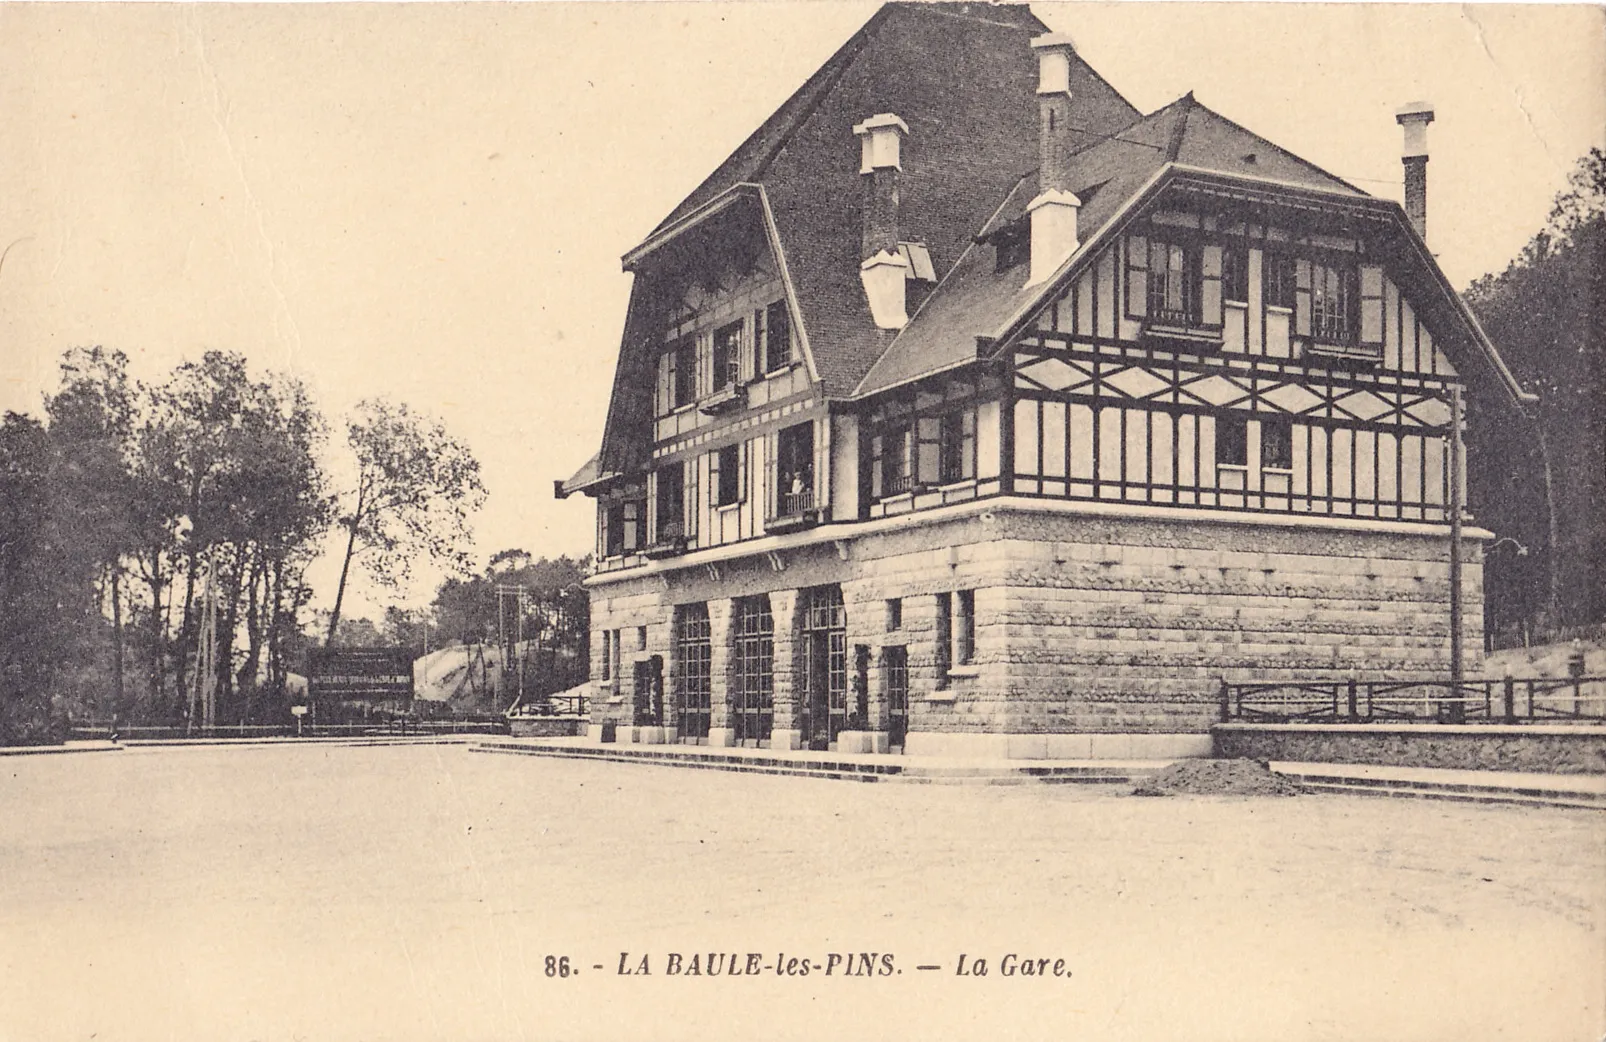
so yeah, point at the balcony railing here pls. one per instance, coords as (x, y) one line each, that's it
(670, 541)
(794, 503)
(794, 510)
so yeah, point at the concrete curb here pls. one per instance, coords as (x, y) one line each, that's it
(70, 747)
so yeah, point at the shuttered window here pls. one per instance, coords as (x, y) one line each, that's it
(1371, 305)
(1137, 276)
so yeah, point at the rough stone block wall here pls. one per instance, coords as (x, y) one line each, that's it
(1084, 623)
(1538, 749)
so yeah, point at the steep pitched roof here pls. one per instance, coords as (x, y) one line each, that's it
(974, 300)
(962, 76)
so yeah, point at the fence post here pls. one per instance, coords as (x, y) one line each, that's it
(1511, 697)
(1226, 701)
(1575, 666)
(1354, 705)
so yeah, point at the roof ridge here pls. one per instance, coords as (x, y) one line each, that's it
(951, 9)
(1178, 132)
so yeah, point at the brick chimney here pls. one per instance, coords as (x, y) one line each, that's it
(1053, 212)
(1415, 118)
(884, 270)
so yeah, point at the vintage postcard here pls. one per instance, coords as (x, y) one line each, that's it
(956, 520)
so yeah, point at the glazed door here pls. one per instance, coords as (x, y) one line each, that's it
(825, 667)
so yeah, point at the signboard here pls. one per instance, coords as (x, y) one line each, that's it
(360, 675)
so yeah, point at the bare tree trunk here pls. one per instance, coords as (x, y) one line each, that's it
(158, 674)
(1552, 551)
(340, 591)
(254, 597)
(118, 695)
(227, 587)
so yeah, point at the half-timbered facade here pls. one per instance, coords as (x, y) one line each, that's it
(915, 447)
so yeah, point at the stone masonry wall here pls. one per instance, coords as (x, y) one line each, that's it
(1084, 623)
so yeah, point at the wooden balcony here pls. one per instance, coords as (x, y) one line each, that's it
(795, 511)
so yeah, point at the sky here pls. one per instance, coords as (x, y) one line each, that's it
(429, 201)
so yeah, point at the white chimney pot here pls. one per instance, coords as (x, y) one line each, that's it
(884, 276)
(1053, 63)
(880, 138)
(1415, 118)
(1054, 234)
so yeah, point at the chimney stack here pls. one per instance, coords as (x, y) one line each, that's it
(1415, 118)
(1053, 212)
(884, 269)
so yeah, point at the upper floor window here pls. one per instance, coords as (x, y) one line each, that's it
(894, 613)
(1235, 273)
(683, 371)
(1277, 443)
(1173, 283)
(1232, 441)
(958, 462)
(1277, 279)
(794, 470)
(624, 526)
(728, 355)
(890, 470)
(929, 450)
(775, 336)
(671, 502)
(727, 476)
(1332, 302)
(1012, 246)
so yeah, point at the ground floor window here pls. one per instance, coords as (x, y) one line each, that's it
(895, 675)
(694, 673)
(753, 697)
(944, 637)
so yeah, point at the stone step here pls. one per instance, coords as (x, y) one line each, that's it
(866, 769)
(1579, 791)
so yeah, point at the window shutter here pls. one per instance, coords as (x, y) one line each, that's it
(705, 366)
(753, 357)
(1210, 286)
(1302, 297)
(744, 465)
(1137, 276)
(666, 383)
(772, 474)
(713, 479)
(1371, 304)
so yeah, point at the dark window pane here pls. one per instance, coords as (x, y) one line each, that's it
(730, 475)
(965, 641)
(944, 637)
(777, 336)
(727, 355)
(1277, 443)
(1232, 441)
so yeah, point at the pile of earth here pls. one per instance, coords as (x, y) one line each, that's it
(1242, 777)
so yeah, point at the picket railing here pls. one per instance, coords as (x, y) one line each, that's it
(1509, 700)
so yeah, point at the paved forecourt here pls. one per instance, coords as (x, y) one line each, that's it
(286, 891)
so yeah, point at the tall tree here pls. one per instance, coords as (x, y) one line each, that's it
(1545, 484)
(91, 425)
(416, 489)
(47, 601)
